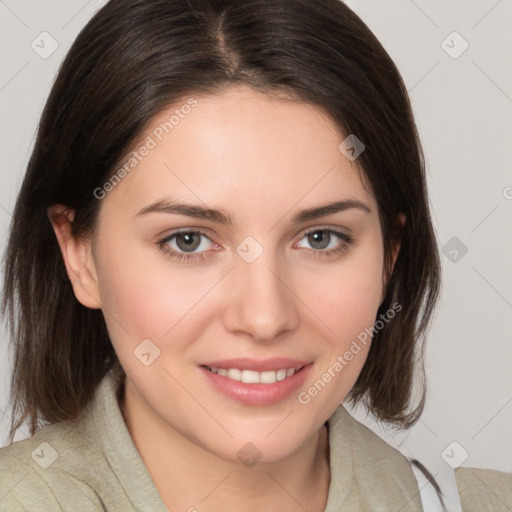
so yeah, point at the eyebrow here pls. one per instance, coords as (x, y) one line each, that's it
(221, 217)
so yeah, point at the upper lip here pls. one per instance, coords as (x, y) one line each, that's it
(258, 365)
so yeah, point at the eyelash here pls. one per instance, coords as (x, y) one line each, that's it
(317, 253)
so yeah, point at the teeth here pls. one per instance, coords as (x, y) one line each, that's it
(268, 377)
(250, 377)
(281, 374)
(253, 377)
(234, 374)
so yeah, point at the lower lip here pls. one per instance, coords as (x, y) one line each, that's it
(258, 394)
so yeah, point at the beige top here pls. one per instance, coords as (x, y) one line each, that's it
(93, 465)
(484, 490)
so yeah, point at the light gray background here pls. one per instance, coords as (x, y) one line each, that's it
(463, 108)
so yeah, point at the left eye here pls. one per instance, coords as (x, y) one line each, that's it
(325, 239)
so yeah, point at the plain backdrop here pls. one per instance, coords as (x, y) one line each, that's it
(455, 60)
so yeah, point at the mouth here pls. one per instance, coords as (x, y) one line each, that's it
(256, 382)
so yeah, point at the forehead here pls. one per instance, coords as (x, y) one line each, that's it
(241, 148)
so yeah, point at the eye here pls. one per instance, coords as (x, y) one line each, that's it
(183, 245)
(326, 242)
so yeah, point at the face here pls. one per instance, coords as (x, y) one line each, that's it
(227, 291)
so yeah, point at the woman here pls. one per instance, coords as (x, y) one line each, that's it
(223, 233)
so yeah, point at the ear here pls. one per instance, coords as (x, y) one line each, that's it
(395, 249)
(77, 256)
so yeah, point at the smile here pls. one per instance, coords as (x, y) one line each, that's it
(256, 382)
(254, 377)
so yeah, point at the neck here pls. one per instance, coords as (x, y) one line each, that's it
(190, 478)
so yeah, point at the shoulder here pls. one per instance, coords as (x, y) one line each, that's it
(56, 466)
(367, 469)
(90, 464)
(44, 446)
(484, 489)
(371, 449)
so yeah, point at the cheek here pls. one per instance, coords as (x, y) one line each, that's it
(141, 298)
(348, 303)
(350, 293)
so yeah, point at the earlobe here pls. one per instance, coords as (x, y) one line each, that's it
(77, 255)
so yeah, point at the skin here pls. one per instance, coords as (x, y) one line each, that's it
(261, 160)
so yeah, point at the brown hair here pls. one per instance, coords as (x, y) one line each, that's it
(132, 60)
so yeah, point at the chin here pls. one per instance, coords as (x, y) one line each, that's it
(268, 441)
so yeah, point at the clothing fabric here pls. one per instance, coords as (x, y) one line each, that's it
(93, 465)
(484, 490)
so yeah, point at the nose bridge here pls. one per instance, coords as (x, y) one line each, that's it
(261, 305)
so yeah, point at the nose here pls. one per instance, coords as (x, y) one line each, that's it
(262, 303)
